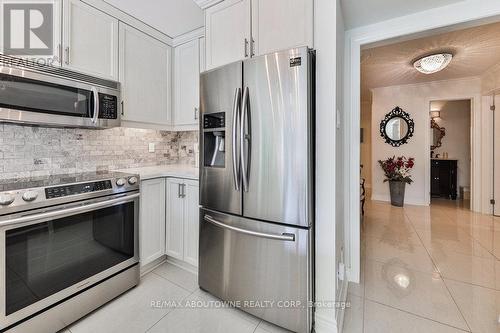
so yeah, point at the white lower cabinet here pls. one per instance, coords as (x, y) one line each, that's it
(182, 223)
(152, 220)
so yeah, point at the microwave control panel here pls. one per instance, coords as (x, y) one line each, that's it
(108, 106)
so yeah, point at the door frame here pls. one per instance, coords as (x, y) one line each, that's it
(442, 19)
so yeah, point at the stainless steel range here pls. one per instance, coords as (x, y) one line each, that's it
(68, 244)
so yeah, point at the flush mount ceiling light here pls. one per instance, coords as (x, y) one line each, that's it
(433, 63)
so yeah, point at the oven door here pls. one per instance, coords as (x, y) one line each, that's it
(38, 98)
(51, 254)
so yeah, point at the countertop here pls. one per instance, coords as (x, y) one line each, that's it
(170, 170)
(443, 159)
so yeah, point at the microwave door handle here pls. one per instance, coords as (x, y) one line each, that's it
(243, 138)
(95, 116)
(236, 121)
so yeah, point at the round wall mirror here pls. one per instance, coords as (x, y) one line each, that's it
(397, 127)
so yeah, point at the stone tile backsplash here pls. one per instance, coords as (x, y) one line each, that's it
(38, 151)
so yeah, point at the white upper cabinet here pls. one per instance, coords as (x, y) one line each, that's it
(90, 40)
(227, 32)
(275, 25)
(281, 24)
(186, 83)
(145, 75)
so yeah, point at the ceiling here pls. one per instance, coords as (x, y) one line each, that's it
(474, 50)
(172, 17)
(362, 12)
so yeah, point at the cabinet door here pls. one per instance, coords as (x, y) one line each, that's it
(191, 222)
(281, 24)
(227, 32)
(145, 75)
(152, 220)
(187, 83)
(90, 40)
(175, 216)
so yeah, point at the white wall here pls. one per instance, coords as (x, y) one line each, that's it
(414, 99)
(456, 119)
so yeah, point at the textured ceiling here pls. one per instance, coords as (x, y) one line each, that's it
(474, 50)
(362, 12)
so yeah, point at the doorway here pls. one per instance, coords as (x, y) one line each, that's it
(450, 152)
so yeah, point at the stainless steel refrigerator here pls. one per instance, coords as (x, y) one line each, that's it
(257, 186)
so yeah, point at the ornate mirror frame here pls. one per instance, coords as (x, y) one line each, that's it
(442, 130)
(397, 112)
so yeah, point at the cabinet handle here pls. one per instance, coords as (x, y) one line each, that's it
(195, 113)
(252, 47)
(183, 190)
(67, 55)
(246, 48)
(179, 193)
(123, 108)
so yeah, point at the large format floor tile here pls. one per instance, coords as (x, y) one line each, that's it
(202, 313)
(410, 254)
(133, 311)
(480, 306)
(178, 276)
(383, 319)
(428, 269)
(353, 317)
(423, 294)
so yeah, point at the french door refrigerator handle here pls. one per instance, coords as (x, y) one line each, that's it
(236, 120)
(284, 236)
(243, 137)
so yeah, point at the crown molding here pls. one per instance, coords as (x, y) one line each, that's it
(204, 4)
(188, 36)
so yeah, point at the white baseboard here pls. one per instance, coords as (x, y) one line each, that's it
(183, 265)
(408, 201)
(153, 265)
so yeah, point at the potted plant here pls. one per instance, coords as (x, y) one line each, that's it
(397, 173)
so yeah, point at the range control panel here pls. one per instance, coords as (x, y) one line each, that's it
(65, 190)
(108, 106)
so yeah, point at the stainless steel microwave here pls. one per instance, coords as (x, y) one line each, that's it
(51, 96)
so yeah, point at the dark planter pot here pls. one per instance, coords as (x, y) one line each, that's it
(397, 193)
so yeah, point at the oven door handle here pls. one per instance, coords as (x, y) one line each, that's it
(70, 211)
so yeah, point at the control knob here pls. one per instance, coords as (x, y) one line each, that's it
(6, 199)
(132, 180)
(30, 195)
(120, 182)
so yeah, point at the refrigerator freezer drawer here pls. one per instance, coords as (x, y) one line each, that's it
(245, 261)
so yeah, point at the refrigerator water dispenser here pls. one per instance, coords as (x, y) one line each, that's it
(214, 140)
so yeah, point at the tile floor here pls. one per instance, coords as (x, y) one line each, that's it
(133, 313)
(427, 269)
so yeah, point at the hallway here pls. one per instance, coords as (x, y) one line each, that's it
(426, 269)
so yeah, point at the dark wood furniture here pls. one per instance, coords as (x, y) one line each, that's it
(444, 178)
